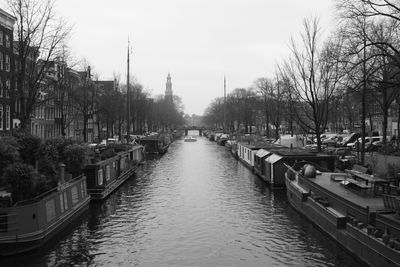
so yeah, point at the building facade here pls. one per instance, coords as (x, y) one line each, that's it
(6, 70)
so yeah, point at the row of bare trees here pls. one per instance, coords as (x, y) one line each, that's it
(44, 73)
(345, 80)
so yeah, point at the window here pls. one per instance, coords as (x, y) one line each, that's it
(74, 195)
(1, 61)
(61, 203)
(100, 177)
(7, 63)
(8, 41)
(1, 38)
(8, 117)
(7, 88)
(3, 222)
(108, 172)
(1, 88)
(1, 117)
(50, 210)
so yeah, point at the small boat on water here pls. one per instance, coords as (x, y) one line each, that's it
(357, 210)
(190, 139)
(104, 176)
(28, 224)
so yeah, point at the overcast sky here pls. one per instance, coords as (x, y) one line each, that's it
(197, 41)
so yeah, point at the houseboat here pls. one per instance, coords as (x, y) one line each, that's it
(269, 164)
(359, 211)
(155, 144)
(104, 176)
(27, 225)
(246, 151)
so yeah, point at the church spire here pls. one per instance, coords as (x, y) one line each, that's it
(168, 89)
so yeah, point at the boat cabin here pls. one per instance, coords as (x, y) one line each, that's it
(247, 151)
(106, 175)
(155, 144)
(274, 165)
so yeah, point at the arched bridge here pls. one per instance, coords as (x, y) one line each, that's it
(194, 128)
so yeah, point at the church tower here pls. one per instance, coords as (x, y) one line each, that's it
(168, 89)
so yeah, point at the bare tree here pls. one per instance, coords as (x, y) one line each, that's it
(39, 36)
(314, 71)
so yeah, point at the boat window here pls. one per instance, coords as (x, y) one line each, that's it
(65, 200)
(74, 195)
(3, 222)
(61, 203)
(100, 177)
(108, 172)
(82, 192)
(84, 188)
(50, 210)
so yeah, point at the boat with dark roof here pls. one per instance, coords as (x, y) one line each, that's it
(106, 175)
(155, 144)
(359, 211)
(269, 163)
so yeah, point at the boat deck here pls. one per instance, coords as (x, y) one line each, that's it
(324, 180)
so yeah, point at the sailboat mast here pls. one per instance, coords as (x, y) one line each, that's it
(128, 96)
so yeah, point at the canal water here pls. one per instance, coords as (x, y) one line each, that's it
(194, 206)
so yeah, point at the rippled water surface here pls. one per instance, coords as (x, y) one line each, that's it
(195, 206)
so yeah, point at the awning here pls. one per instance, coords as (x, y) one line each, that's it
(262, 153)
(273, 158)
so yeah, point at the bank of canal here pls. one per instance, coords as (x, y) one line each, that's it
(195, 206)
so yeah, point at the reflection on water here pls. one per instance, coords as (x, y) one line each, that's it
(195, 206)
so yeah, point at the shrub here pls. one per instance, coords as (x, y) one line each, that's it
(54, 149)
(19, 179)
(47, 167)
(8, 152)
(74, 157)
(28, 147)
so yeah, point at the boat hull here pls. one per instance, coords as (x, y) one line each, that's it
(30, 226)
(369, 250)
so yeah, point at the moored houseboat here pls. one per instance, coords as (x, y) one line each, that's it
(155, 144)
(269, 164)
(246, 151)
(104, 176)
(359, 211)
(27, 225)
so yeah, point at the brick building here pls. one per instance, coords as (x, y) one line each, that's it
(6, 70)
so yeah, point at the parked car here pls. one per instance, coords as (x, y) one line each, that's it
(330, 140)
(349, 139)
(368, 142)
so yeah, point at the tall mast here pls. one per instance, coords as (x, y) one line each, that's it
(128, 95)
(224, 103)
